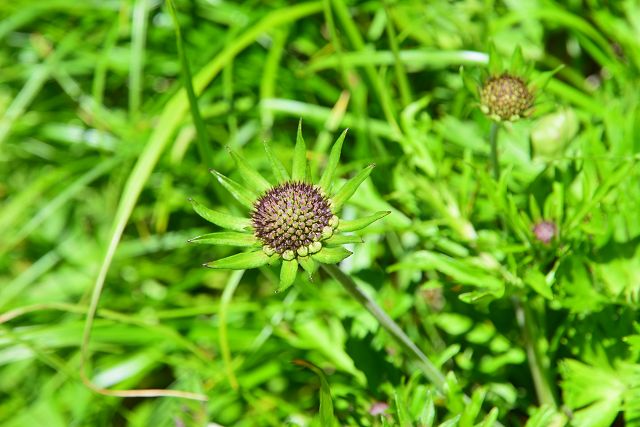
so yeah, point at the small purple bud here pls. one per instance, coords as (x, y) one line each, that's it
(545, 231)
(378, 408)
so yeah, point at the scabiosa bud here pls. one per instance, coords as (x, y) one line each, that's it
(545, 231)
(505, 97)
(293, 222)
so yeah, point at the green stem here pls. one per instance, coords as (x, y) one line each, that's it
(539, 373)
(493, 140)
(429, 369)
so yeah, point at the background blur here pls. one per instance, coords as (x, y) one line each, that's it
(96, 134)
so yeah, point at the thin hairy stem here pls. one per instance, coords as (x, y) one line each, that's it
(429, 369)
(493, 140)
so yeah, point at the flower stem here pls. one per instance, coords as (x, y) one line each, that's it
(539, 373)
(429, 369)
(493, 140)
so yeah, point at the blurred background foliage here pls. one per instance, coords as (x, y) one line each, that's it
(96, 139)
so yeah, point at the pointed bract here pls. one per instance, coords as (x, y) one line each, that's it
(350, 187)
(249, 175)
(223, 220)
(241, 194)
(228, 238)
(331, 255)
(326, 180)
(288, 273)
(541, 81)
(341, 239)
(279, 171)
(309, 265)
(299, 169)
(517, 66)
(241, 261)
(360, 223)
(495, 64)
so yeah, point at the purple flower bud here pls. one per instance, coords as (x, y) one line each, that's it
(545, 231)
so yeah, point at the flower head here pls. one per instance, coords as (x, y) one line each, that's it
(545, 231)
(293, 222)
(508, 94)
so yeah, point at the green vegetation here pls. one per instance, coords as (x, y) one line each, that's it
(509, 258)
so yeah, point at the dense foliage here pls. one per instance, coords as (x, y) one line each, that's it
(520, 283)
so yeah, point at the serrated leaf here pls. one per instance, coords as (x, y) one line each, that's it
(331, 255)
(241, 194)
(219, 218)
(230, 238)
(341, 239)
(360, 223)
(249, 175)
(309, 265)
(350, 187)
(326, 181)
(299, 169)
(279, 171)
(245, 260)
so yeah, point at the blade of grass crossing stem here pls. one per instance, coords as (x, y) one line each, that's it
(169, 120)
(223, 337)
(185, 72)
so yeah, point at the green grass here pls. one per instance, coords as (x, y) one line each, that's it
(102, 144)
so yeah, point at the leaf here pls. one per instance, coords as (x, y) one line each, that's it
(299, 169)
(327, 417)
(240, 261)
(279, 171)
(230, 238)
(288, 273)
(538, 282)
(326, 181)
(469, 83)
(249, 175)
(360, 223)
(331, 255)
(402, 410)
(240, 193)
(219, 218)
(540, 81)
(350, 187)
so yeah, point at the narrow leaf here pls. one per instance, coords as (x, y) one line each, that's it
(471, 85)
(309, 265)
(350, 187)
(279, 171)
(249, 175)
(287, 274)
(495, 63)
(241, 261)
(240, 193)
(540, 82)
(327, 417)
(185, 73)
(517, 62)
(326, 180)
(299, 170)
(230, 238)
(331, 255)
(221, 219)
(360, 223)
(341, 239)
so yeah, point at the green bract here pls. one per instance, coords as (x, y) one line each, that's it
(293, 222)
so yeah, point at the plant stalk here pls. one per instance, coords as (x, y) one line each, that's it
(536, 366)
(493, 140)
(429, 369)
